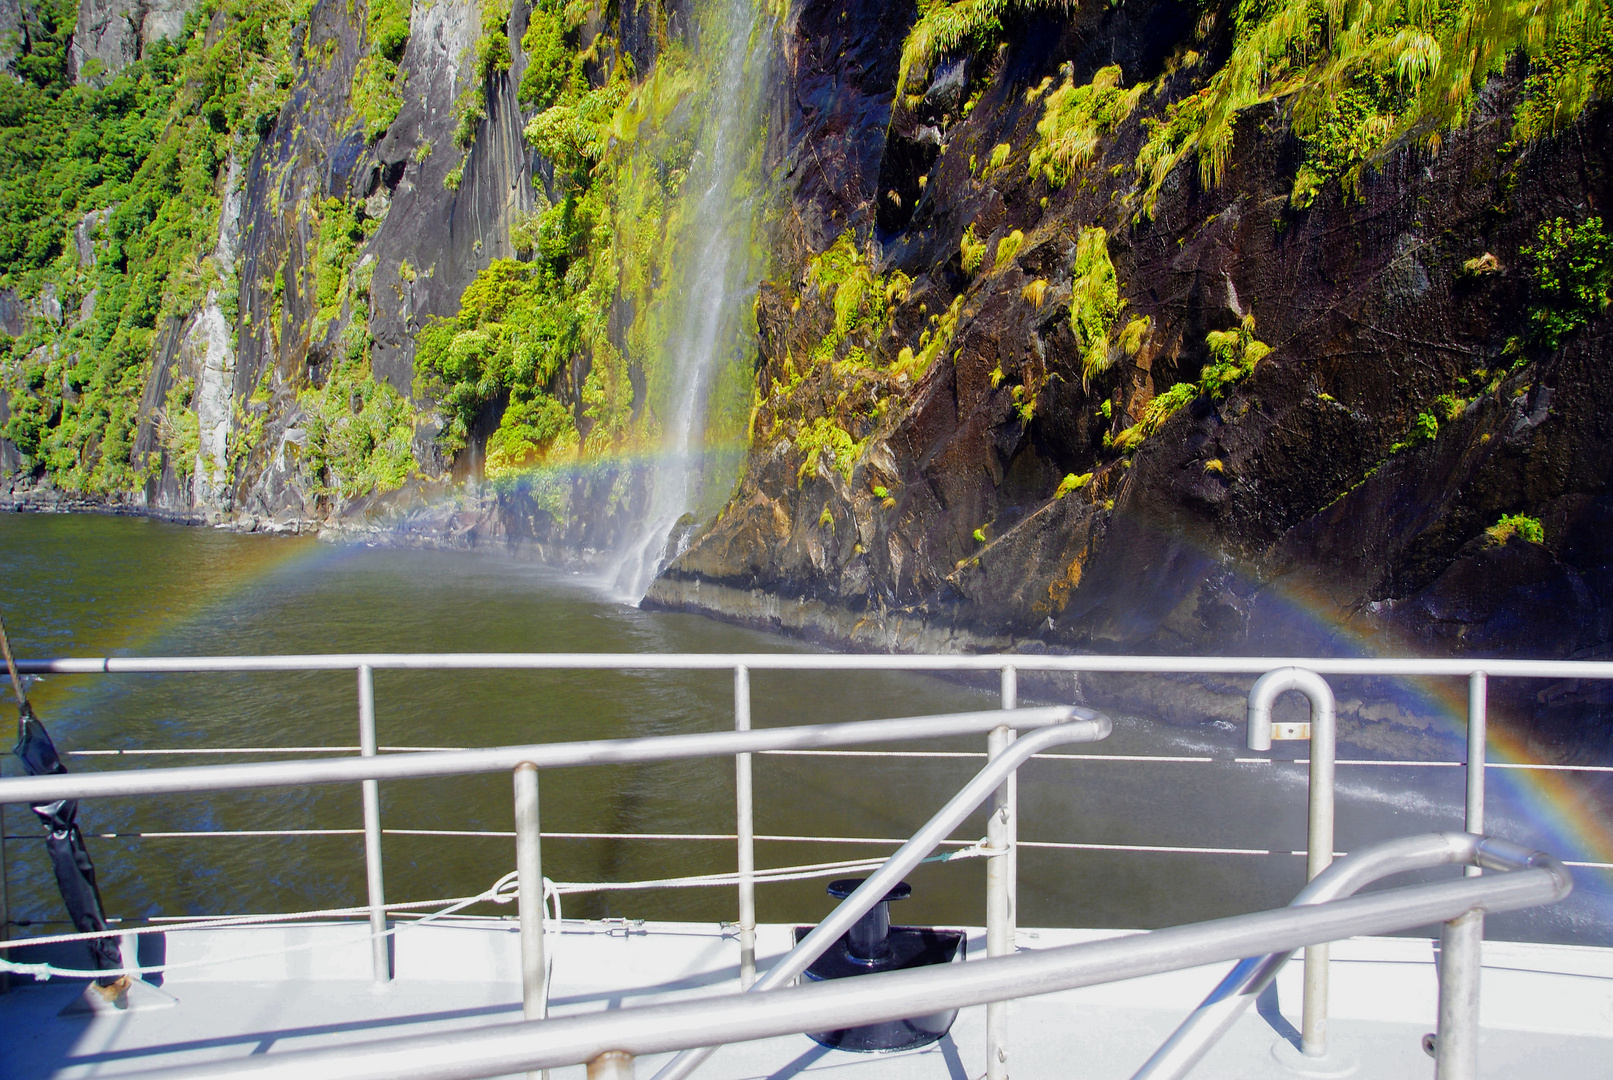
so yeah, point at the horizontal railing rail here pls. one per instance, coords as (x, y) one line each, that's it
(1136, 665)
(919, 755)
(570, 1040)
(34, 790)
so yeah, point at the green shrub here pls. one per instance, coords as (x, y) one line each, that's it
(1007, 248)
(972, 249)
(943, 28)
(1074, 118)
(1155, 413)
(359, 432)
(493, 47)
(389, 28)
(1566, 73)
(1571, 267)
(548, 58)
(1233, 356)
(179, 429)
(934, 341)
(823, 436)
(1072, 482)
(377, 94)
(145, 147)
(1359, 77)
(493, 53)
(1095, 302)
(470, 109)
(514, 331)
(1510, 525)
(529, 432)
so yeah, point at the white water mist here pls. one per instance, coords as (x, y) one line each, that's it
(712, 269)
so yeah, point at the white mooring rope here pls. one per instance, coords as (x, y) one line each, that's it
(502, 891)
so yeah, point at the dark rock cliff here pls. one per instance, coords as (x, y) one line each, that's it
(1301, 512)
(1004, 399)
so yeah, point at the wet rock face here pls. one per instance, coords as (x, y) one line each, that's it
(841, 68)
(1306, 508)
(114, 33)
(11, 29)
(427, 244)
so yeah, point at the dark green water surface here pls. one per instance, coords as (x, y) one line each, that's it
(93, 586)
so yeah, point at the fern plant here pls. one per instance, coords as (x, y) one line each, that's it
(1416, 66)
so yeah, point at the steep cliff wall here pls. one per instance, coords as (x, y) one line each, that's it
(281, 201)
(1032, 377)
(1148, 327)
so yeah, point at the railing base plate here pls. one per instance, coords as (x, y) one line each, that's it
(1336, 1063)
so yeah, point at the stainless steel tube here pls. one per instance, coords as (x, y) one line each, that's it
(5, 898)
(1088, 726)
(745, 829)
(1000, 880)
(1264, 693)
(529, 899)
(1456, 1042)
(611, 1065)
(514, 1047)
(1244, 983)
(1461, 940)
(1010, 700)
(529, 892)
(380, 947)
(1477, 751)
(1251, 665)
(40, 789)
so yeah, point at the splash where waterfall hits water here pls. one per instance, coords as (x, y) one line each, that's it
(714, 264)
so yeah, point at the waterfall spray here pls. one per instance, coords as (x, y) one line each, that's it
(713, 267)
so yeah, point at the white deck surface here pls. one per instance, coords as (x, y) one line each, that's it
(1547, 1010)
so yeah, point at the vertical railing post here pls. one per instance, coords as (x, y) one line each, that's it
(1461, 941)
(5, 899)
(380, 962)
(529, 898)
(1477, 754)
(745, 828)
(1001, 887)
(1322, 733)
(529, 891)
(1313, 1025)
(1010, 700)
(1456, 1045)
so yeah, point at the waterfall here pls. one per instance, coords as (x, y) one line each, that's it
(712, 271)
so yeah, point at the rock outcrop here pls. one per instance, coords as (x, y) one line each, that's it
(1340, 494)
(111, 34)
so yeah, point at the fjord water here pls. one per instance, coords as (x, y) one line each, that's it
(93, 586)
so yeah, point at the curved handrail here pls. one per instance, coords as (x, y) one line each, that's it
(1244, 983)
(1090, 727)
(501, 1049)
(1319, 827)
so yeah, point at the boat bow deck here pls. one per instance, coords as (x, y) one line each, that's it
(1547, 1010)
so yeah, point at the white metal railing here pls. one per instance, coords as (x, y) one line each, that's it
(1057, 725)
(370, 767)
(613, 1038)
